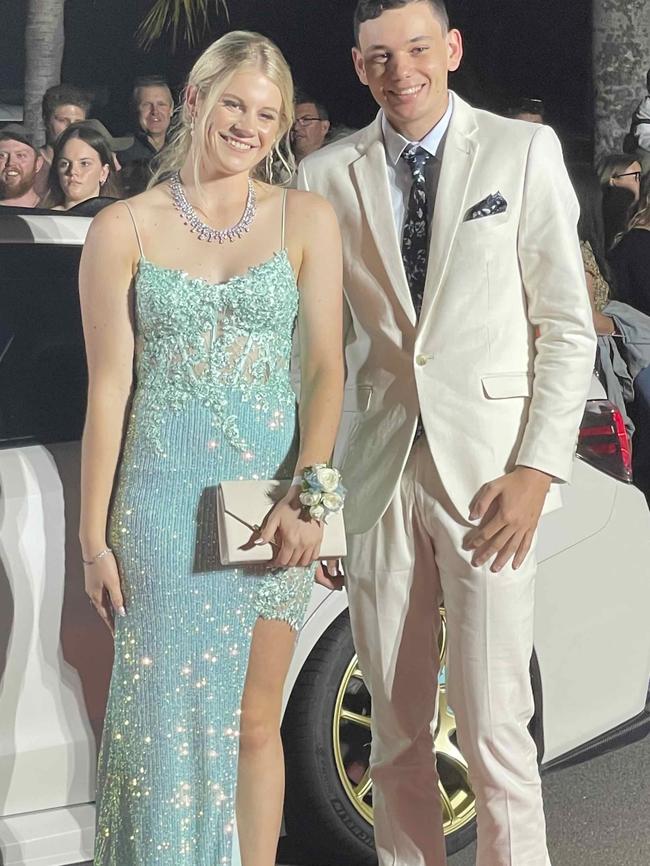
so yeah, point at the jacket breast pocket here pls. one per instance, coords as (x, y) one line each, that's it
(357, 398)
(499, 386)
(486, 223)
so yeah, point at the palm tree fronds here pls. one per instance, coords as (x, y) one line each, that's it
(189, 16)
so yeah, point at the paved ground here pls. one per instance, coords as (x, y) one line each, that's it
(598, 812)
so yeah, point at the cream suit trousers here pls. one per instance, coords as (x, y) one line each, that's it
(398, 574)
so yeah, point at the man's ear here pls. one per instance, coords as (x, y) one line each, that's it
(454, 50)
(39, 162)
(326, 125)
(359, 65)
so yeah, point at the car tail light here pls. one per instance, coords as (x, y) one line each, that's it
(603, 441)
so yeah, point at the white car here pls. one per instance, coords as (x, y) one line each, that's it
(10, 112)
(590, 671)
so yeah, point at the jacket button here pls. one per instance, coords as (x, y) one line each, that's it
(421, 360)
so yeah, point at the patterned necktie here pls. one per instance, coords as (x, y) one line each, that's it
(415, 236)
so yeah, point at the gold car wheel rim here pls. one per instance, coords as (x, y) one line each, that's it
(351, 742)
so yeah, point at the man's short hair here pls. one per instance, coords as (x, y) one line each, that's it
(148, 81)
(321, 111)
(367, 10)
(64, 94)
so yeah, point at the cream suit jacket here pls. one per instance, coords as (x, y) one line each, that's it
(499, 363)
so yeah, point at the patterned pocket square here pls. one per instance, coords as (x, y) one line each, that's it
(490, 206)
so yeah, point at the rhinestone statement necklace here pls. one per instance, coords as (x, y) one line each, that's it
(203, 231)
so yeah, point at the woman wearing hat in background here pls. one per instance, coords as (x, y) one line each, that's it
(83, 168)
(115, 142)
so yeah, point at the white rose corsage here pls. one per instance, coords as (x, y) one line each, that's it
(321, 491)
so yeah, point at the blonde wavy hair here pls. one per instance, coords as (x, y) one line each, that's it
(613, 163)
(641, 217)
(232, 53)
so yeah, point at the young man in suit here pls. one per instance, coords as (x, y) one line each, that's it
(470, 346)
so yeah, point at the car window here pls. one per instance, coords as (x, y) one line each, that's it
(42, 359)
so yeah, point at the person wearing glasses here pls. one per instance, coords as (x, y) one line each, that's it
(310, 127)
(621, 170)
(620, 179)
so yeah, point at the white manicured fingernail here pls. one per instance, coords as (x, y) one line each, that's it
(121, 611)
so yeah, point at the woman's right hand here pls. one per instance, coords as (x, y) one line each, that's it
(104, 589)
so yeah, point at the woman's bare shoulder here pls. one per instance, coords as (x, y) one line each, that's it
(298, 200)
(310, 211)
(124, 220)
(114, 227)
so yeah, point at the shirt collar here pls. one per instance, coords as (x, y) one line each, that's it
(395, 142)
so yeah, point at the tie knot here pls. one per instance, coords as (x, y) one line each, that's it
(416, 158)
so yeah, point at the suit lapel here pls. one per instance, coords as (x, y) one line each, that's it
(459, 158)
(372, 184)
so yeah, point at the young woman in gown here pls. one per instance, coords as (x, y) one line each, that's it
(188, 345)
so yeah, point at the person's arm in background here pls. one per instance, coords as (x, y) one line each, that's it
(603, 325)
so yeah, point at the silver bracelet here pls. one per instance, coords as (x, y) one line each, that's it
(97, 556)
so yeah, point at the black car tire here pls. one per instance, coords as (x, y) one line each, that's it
(320, 819)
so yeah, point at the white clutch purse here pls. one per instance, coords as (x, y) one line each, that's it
(241, 509)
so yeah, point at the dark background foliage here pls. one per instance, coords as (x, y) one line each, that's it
(535, 48)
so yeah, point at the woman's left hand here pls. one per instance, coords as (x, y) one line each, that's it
(298, 538)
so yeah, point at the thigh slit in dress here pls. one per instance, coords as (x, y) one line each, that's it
(213, 400)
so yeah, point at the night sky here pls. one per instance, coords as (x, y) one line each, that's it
(535, 48)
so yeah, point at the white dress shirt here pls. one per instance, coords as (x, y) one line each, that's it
(400, 178)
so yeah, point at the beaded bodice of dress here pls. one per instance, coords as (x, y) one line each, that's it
(197, 341)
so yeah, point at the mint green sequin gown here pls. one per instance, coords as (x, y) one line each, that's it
(213, 400)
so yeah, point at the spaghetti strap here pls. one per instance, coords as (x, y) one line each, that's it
(135, 226)
(284, 210)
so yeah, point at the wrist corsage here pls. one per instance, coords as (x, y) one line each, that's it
(321, 491)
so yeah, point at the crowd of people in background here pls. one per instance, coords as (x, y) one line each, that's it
(614, 233)
(82, 167)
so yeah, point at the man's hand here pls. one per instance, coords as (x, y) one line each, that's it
(509, 509)
(328, 574)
